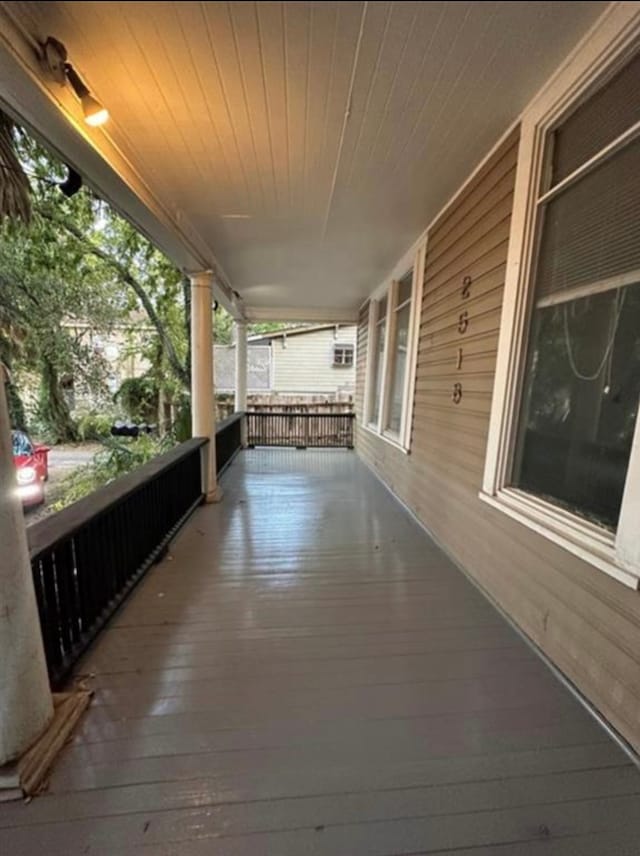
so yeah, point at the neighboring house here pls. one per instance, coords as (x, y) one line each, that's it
(302, 361)
(120, 348)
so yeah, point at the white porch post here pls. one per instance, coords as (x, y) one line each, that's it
(203, 412)
(25, 698)
(241, 367)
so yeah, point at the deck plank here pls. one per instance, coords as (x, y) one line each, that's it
(306, 672)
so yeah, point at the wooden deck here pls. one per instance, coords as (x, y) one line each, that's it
(307, 673)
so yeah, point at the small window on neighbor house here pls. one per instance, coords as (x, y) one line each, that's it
(582, 377)
(343, 355)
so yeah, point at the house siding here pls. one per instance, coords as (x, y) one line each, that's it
(584, 621)
(303, 363)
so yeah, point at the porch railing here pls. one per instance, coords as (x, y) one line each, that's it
(88, 557)
(228, 440)
(300, 430)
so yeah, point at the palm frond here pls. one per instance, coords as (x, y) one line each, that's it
(15, 192)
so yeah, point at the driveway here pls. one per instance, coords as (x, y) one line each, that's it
(63, 460)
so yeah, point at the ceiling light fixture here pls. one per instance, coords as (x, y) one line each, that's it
(55, 56)
(94, 113)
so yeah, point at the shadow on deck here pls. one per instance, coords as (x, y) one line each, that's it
(308, 673)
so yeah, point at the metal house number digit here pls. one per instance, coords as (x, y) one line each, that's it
(463, 322)
(456, 395)
(466, 287)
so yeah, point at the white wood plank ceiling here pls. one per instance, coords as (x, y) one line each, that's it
(309, 144)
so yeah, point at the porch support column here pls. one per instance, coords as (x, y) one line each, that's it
(203, 404)
(241, 367)
(25, 698)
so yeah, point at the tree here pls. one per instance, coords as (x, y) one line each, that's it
(78, 260)
(66, 260)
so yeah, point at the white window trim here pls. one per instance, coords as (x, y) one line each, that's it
(604, 49)
(345, 347)
(415, 259)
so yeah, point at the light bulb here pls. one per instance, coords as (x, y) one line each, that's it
(94, 113)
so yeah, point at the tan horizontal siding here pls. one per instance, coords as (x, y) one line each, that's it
(473, 262)
(586, 622)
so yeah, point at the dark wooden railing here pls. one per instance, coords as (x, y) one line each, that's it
(228, 440)
(88, 557)
(300, 430)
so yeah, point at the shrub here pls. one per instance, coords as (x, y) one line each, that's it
(117, 457)
(94, 425)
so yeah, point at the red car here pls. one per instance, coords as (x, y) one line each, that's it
(32, 468)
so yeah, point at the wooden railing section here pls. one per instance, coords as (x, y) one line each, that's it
(88, 557)
(300, 430)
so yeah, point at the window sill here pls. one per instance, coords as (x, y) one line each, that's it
(387, 439)
(581, 538)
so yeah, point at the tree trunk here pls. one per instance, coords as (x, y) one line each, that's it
(53, 407)
(125, 275)
(186, 293)
(17, 415)
(162, 427)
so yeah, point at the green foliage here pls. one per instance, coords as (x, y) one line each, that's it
(117, 457)
(94, 425)
(181, 428)
(223, 327)
(138, 396)
(269, 327)
(75, 270)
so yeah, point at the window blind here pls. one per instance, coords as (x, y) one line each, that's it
(591, 230)
(597, 121)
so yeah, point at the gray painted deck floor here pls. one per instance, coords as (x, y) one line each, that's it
(308, 674)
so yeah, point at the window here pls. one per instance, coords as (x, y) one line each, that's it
(343, 355)
(398, 353)
(566, 459)
(390, 355)
(377, 350)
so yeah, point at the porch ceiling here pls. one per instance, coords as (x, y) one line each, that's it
(306, 145)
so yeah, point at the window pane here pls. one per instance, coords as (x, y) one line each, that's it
(591, 231)
(399, 367)
(404, 287)
(378, 355)
(343, 355)
(580, 403)
(597, 121)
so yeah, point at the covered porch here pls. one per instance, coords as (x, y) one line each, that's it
(307, 672)
(304, 670)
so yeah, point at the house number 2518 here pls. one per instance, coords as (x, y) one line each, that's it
(463, 324)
